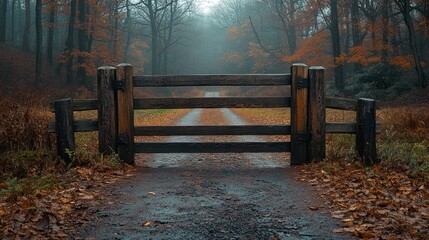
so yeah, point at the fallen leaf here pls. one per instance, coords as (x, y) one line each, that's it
(314, 208)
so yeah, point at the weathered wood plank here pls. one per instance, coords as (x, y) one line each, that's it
(299, 119)
(212, 80)
(212, 130)
(82, 105)
(212, 147)
(64, 129)
(346, 127)
(218, 102)
(107, 120)
(78, 126)
(365, 131)
(317, 114)
(341, 103)
(125, 113)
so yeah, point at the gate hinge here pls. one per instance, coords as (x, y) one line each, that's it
(122, 139)
(303, 83)
(119, 85)
(303, 136)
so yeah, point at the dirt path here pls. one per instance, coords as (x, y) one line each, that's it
(212, 196)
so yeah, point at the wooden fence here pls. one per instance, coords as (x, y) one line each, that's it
(116, 105)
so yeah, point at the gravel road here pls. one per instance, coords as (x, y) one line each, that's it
(212, 196)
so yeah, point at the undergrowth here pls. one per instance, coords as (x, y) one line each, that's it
(402, 145)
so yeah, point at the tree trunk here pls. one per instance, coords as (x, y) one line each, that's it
(292, 29)
(12, 22)
(356, 39)
(336, 46)
(404, 6)
(128, 34)
(385, 31)
(82, 41)
(39, 42)
(26, 34)
(154, 40)
(3, 13)
(69, 45)
(115, 31)
(51, 31)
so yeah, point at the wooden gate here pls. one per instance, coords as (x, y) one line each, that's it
(307, 103)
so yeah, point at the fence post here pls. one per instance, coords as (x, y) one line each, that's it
(365, 132)
(299, 115)
(64, 129)
(125, 113)
(317, 114)
(106, 110)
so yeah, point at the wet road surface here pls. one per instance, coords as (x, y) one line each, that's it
(212, 196)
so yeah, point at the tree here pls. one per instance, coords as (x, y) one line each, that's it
(67, 55)
(285, 10)
(39, 42)
(405, 9)
(26, 32)
(52, 9)
(336, 46)
(82, 40)
(3, 14)
(163, 17)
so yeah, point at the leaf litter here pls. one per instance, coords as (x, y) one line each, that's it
(372, 203)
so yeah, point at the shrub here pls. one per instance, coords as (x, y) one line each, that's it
(23, 127)
(378, 81)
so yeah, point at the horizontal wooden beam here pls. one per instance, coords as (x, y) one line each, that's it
(346, 127)
(212, 130)
(341, 103)
(82, 105)
(78, 126)
(218, 102)
(212, 80)
(212, 147)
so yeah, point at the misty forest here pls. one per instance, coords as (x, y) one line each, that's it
(214, 119)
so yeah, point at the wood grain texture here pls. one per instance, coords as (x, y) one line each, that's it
(346, 127)
(125, 111)
(218, 102)
(82, 105)
(341, 103)
(78, 126)
(299, 114)
(212, 147)
(366, 131)
(317, 114)
(64, 129)
(212, 80)
(107, 121)
(212, 130)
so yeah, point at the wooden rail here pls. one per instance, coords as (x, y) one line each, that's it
(308, 103)
(217, 102)
(212, 130)
(212, 147)
(82, 105)
(331, 127)
(212, 80)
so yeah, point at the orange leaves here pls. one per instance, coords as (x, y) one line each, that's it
(376, 203)
(234, 58)
(314, 50)
(406, 62)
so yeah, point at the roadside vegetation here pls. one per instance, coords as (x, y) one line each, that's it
(40, 195)
(388, 201)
